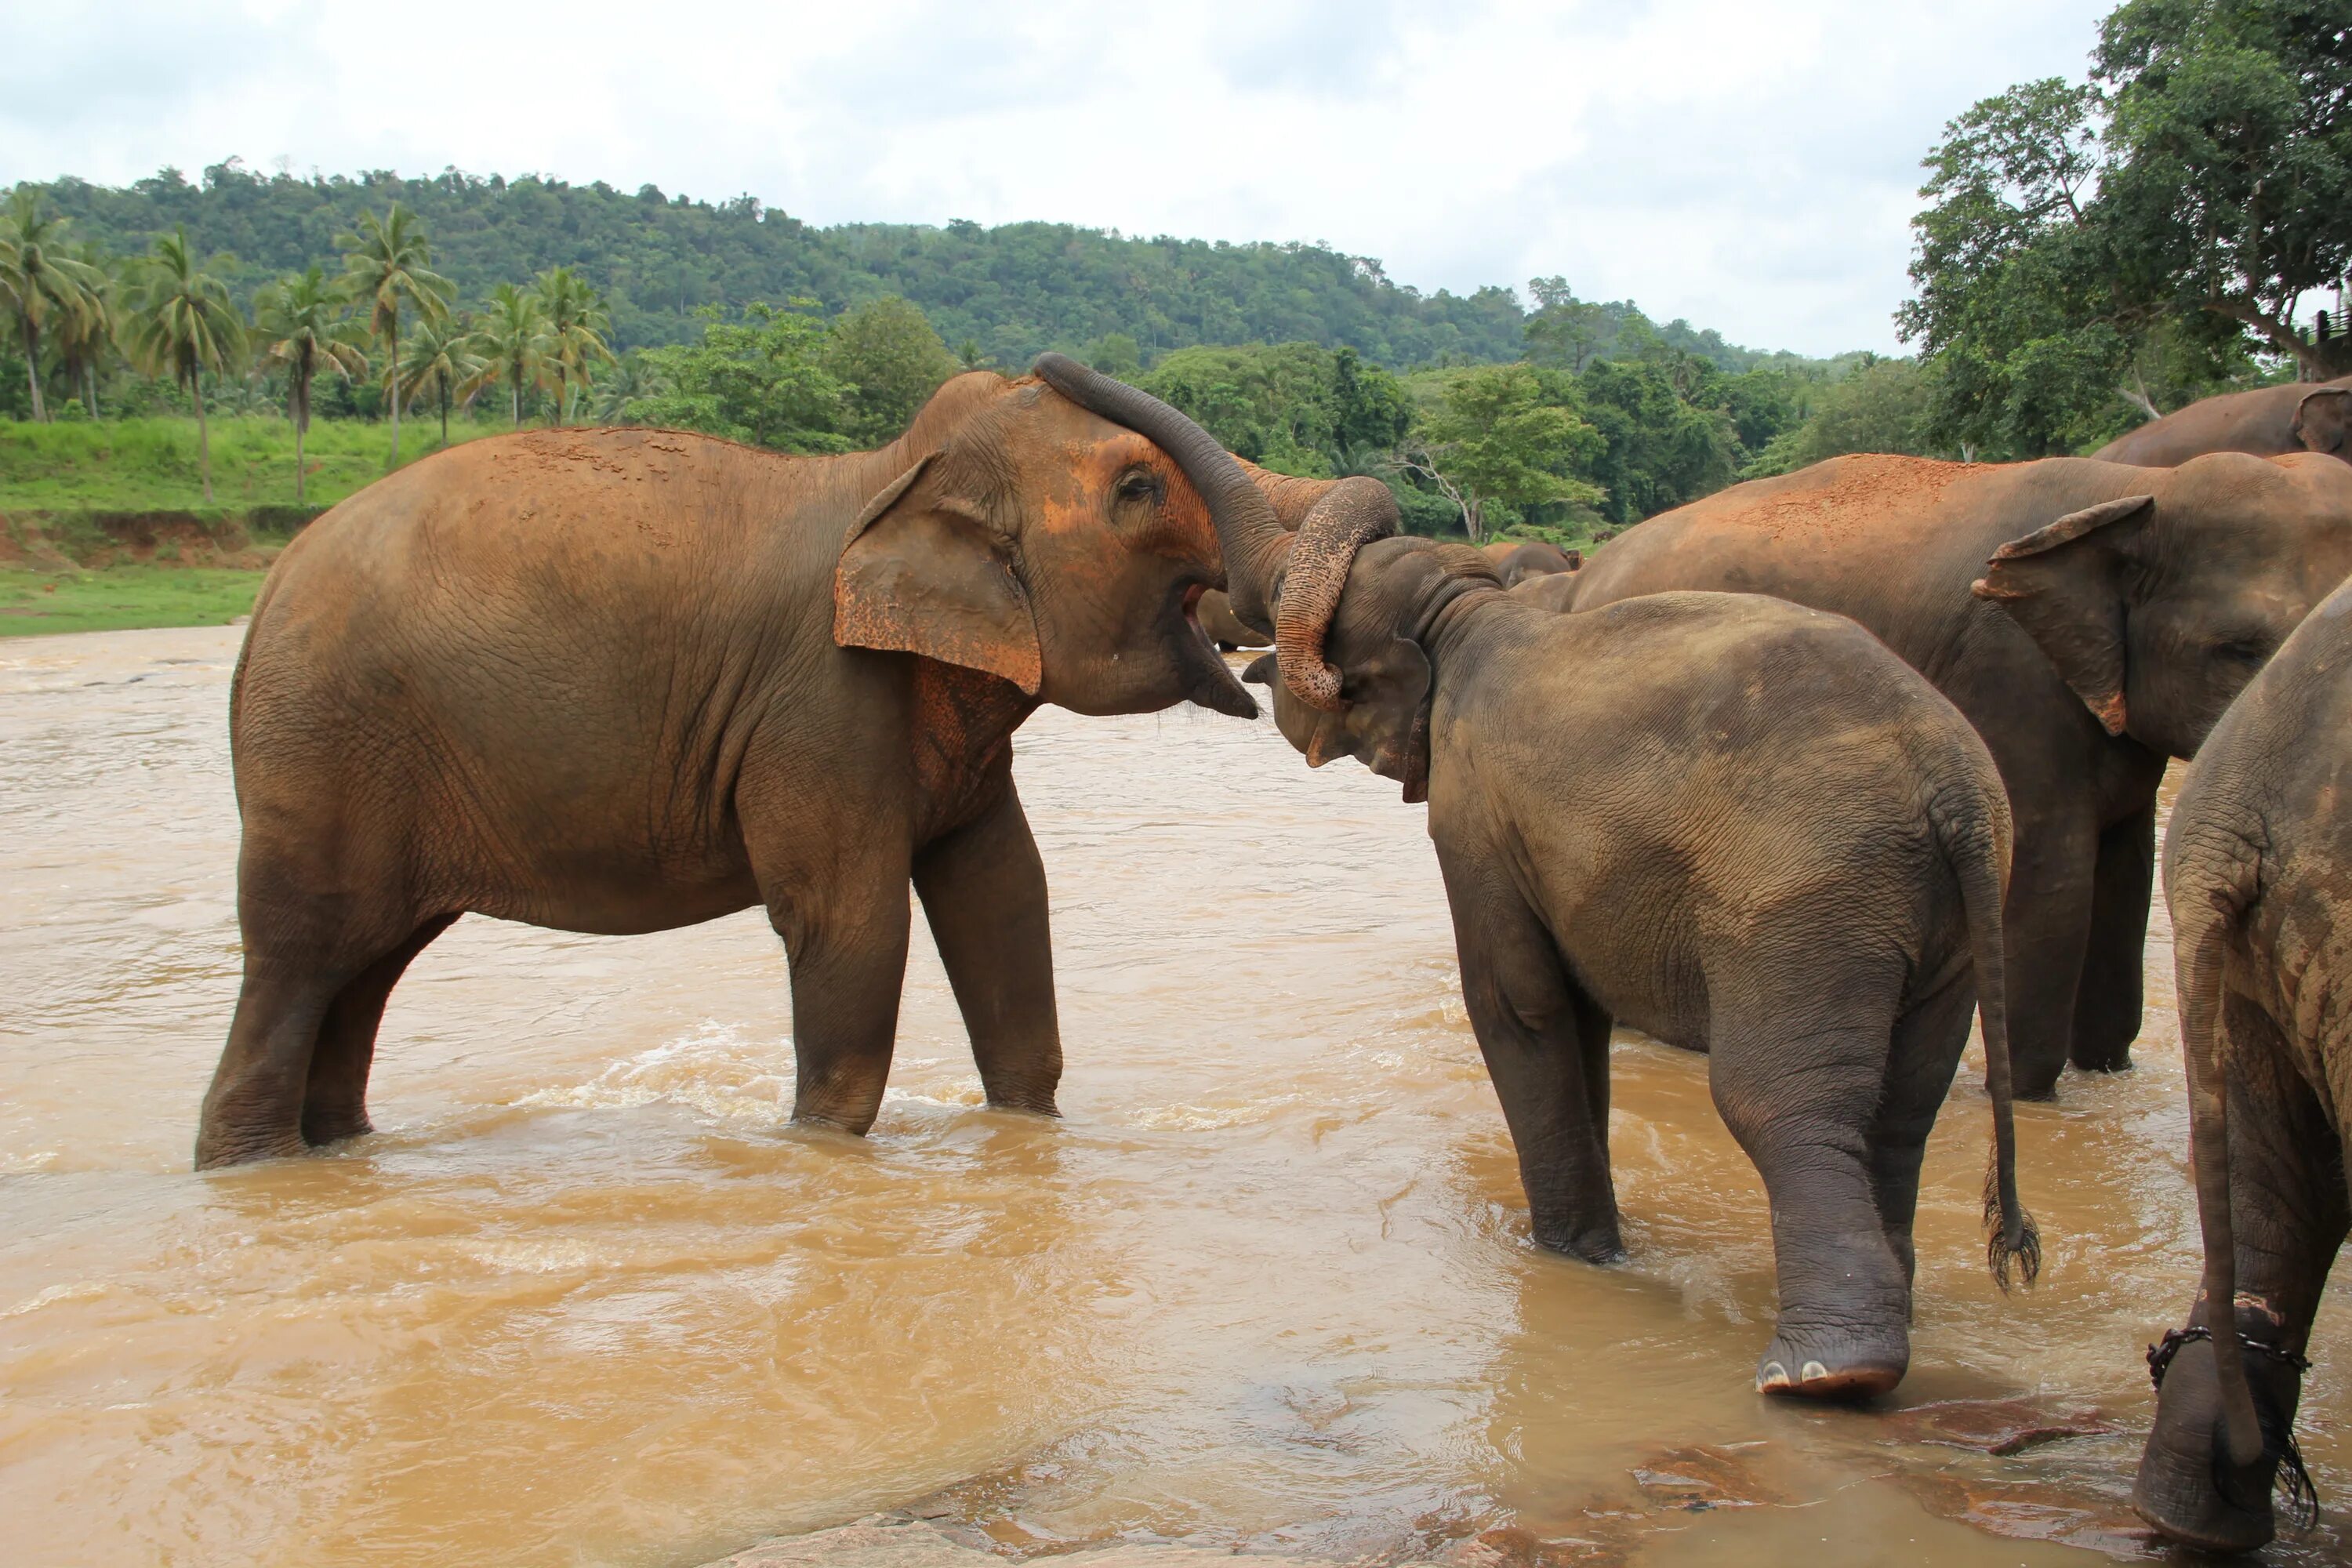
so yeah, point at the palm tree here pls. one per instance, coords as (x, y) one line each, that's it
(39, 282)
(384, 262)
(184, 325)
(439, 358)
(85, 338)
(514, 344)
(302, 326)
(576, 324)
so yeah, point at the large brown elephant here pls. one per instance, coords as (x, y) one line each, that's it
(2258, 872)
(1215, 613)
(1516, 560)
(2092, 619)
(2294, 416)
(624, 681)
(1740, 824)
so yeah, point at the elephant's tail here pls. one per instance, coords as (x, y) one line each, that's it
(1973, 828)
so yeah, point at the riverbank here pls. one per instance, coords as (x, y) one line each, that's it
(151, 464)
(85, 570)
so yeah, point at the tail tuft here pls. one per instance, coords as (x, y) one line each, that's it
(2014, 1238)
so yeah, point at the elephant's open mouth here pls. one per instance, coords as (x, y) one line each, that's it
(1213, 683)
(1193, 615)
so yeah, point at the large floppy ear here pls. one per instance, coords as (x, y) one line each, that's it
(2065, 585)
(920, 573)
(1393, 690)
(2319, 420)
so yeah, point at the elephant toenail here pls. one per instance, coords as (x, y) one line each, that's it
(1774, 1372)
(1814, 1370)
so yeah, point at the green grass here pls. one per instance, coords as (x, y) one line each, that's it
(123, 598)
(149, 464)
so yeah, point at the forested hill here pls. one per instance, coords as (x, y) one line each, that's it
(999, 294)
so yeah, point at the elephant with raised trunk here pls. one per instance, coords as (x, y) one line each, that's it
(2294, 416)
(625, 680)
(2258, 872)
(2090, 619)
(1743, 826)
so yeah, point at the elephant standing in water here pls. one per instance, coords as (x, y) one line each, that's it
(625, 680)
(1743, 826)
(2258, 872)
(2294, 416)
(2090, 618)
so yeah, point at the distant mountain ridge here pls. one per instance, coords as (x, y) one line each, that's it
(1006, 292)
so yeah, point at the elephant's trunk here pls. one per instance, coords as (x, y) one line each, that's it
(1352, 514)
(1292, 497)
(1251, 536)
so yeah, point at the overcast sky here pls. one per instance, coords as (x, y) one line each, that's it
(1747, 165)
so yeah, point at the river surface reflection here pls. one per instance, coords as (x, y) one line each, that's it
(1267, 1286)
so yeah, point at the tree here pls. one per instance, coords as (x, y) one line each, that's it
(1564, 331)
(759, 379)
(1296, 407)
(299, 322)
(386, 262)
(576, 324)
(1501, 435)
(886, 353)
(1880, 406)
(184, 326)
(40, 282)
(439, 359)
(514, 345)
(85, 337)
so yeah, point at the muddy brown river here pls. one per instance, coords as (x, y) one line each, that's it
(1267, 1286)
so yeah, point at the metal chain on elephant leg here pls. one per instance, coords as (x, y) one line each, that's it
(2294, 1479)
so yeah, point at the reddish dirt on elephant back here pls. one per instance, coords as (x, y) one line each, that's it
(1853, 495)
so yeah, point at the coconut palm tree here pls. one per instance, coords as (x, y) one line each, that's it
(184, 326)
(302, 326)
(439, 358)
(514, 343)
(85, 338)
(41, 285)
(576, 324)
(386, 263)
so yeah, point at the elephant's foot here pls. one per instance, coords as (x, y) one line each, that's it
(222, 1146)
(322, 1127)
(2175, 1492)
(2097, 1056)
(1834, 1363)
(1593, 1242)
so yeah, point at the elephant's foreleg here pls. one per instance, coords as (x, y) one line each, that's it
(2107, 1000)
(847, 948)
(334, 1098)
(1533, 1028)
(983, 891)
(2046, 923)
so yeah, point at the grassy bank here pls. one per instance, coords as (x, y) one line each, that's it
(144, 465)
(123, 598)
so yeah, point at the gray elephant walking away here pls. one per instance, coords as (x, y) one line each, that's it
(2090, 619)
(1741, 825)
(2258, 872)
(2294, 416)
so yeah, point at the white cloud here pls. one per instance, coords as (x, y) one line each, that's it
(1750, 166)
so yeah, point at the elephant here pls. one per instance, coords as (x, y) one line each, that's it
(624, 681)
(1215, 614)
(1554, 590)
(1516, 560)
(2092, 619)
(2294, 416)
(1742, 825)
(2258, 874)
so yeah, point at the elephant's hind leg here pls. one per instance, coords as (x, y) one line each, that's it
(334, 1098)
(1928, 1042)
(2107, 999)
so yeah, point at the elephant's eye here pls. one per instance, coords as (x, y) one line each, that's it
(2252, 649)
(1138, 485)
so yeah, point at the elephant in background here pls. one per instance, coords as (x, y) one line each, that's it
(1742, 825)
(2092, 619)
(2294, 416)
(1516, 560)
(1215, 614)
(2258, 872)
(626, 680)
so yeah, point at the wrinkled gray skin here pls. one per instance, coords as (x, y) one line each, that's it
(1516, 560)
(2258, 872)
(1739, 826)
(2086, 635)
(1554, 590)
(2295, 416)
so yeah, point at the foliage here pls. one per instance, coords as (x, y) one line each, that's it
(41, 284)
(1504, 438)
(2100, 252)
(577, 323)
(184, 326)
(385, 265)
(1881, 406)
(888, 361)
(299, 322)
(150, 463)
(1296, 409)
(761, 379)
(123, 598)
(514, 346)
(437, 360)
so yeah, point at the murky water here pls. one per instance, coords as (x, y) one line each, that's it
(584, 1301)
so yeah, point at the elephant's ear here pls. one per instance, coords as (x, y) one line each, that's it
(2320, 417)
(2065, 584)
(1389, 697)
(920, 573)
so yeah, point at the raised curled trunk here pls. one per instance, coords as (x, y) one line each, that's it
(1351, 515)
(1252, 538)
